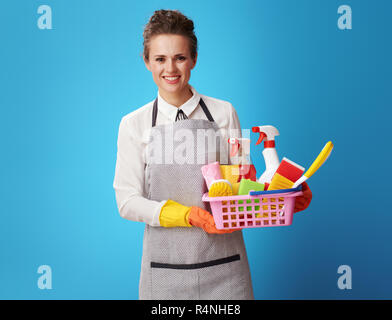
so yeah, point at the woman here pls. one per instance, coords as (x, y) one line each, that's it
(184, 255)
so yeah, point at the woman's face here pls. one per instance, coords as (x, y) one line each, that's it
(170, 63)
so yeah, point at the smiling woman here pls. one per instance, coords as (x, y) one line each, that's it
(170, 53)
(170, 62)
(184, 255)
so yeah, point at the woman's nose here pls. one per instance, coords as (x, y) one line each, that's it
(171, 65)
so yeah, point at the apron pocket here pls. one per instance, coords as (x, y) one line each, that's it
(211, 280)
(223, 281)
(174, 284)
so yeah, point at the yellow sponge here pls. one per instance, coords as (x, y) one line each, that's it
(220, 188)
(236, 187)
(230, 173)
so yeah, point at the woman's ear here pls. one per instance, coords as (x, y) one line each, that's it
(147, 63)
(194, 61)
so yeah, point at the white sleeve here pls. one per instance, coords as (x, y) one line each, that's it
(234, 123)
(129, 179)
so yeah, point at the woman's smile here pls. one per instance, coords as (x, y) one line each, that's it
(170, 63)
(172, 79)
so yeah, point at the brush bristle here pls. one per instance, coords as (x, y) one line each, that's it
(279, 182)
(220, 189)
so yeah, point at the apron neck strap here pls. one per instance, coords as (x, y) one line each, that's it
(206, 111)
(201, 102)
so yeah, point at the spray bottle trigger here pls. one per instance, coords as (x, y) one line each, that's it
(262, 134)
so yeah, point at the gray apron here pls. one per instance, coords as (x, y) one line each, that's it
(182, 262)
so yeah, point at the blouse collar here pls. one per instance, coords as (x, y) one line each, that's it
(188, 107)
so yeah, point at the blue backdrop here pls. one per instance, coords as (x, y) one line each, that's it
(63, 93)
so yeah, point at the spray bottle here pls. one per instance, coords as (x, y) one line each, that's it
(246, 169)
(268, 133)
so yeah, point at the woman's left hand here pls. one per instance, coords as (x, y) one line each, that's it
(302, 202)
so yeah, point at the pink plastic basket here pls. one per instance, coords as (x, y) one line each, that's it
(253, 211)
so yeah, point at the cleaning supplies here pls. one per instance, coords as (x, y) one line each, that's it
(220, 188)
(268, 133)
(230, 173)
(240, 148)
(240, 153)
(217, 187)
(211, 172)
(247, 185)
(247, 171)
(287, 173)
(321, 158)
(236, 187)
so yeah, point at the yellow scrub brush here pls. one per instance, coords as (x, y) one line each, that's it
(220, 188)
(321, 158)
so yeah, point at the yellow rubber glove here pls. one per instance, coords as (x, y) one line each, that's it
(174, 214)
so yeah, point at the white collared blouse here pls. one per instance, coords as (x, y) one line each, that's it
(129, 178)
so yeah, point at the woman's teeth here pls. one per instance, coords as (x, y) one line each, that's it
(172, 78)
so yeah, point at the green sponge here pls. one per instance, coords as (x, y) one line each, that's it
(247, 185)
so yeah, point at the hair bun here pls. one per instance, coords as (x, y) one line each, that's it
(169, 22)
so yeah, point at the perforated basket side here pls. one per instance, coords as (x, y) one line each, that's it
(253, 211)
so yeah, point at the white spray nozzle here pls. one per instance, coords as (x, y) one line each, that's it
(237, 143)
(240, 150)
(267, 133)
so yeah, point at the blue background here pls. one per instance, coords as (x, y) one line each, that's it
(64, 91)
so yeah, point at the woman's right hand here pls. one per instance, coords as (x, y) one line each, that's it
(203, 219)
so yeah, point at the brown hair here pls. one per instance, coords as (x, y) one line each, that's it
(169, 22)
